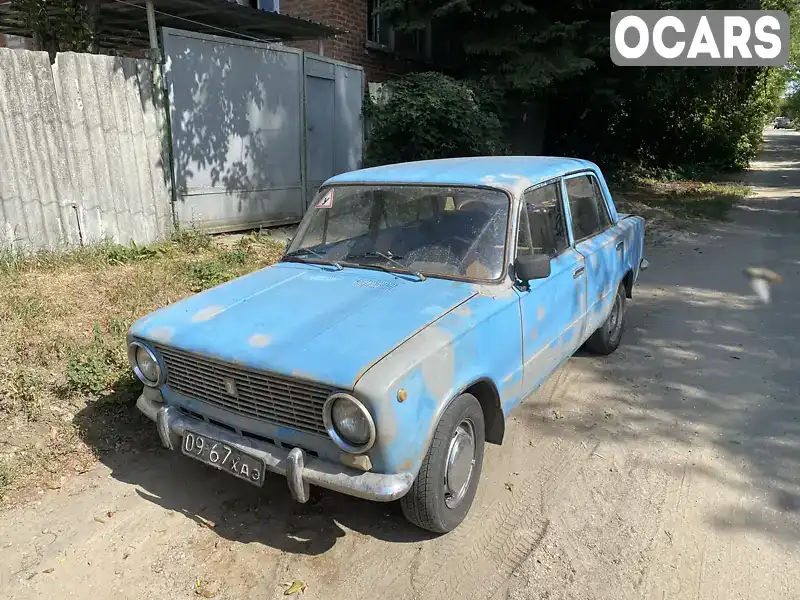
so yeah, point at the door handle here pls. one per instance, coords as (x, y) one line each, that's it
(620, 244)
(578, 272)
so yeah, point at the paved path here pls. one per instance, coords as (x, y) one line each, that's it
(668, 470)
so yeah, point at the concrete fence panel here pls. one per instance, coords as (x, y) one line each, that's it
(81, 151)
(35, 187)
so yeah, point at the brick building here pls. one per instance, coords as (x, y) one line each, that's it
(368, 39)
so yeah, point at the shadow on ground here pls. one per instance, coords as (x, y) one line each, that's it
(702, 365)
(127, 443)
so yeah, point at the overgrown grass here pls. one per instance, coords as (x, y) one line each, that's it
(99, 365)
(64, 374)
(184, 243)
(678, 203)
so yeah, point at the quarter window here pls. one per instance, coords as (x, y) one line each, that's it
(543, 228)
(587, 207)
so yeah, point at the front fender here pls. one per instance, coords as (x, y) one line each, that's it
(479, 340)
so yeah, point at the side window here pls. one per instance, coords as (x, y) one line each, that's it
(543, 228)
(587, 207)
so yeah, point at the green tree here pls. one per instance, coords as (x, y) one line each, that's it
(60, 25)
(556, 53)
(430, 115)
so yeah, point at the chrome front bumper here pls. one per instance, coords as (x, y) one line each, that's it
(299, 468)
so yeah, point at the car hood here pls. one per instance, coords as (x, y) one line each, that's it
(304, 320)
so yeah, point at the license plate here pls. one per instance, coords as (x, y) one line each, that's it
(223, 457)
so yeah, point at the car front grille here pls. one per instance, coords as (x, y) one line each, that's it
(276, 399)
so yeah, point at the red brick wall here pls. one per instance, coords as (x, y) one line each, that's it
(351, 16)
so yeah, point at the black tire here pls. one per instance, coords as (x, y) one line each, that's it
(607, 338)
(427, 503)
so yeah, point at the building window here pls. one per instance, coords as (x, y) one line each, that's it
(413, 44)
(378, 31)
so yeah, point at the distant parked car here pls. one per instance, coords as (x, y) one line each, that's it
(416, 307)
(782, 123)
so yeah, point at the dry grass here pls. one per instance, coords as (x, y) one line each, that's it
(678, 204)
(64, 375)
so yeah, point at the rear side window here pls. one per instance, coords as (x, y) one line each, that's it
(587, 207)
(543, 228)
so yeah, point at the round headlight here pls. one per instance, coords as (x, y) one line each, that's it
(144, 364)
(349, 423)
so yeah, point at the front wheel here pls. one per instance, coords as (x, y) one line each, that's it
(445, 487)
(607, 338)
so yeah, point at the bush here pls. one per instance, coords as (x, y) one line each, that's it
(191, 240)
(221, 268)
(429, 115)
(99, 366)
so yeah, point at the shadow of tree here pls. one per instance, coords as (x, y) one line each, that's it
(236, 127)
(703, 365)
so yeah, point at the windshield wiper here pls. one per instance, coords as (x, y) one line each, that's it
(320, 259)
(401, 267)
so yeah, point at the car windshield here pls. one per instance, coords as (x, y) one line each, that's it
(455, 232)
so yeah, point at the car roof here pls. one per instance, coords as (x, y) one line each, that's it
(511, 173)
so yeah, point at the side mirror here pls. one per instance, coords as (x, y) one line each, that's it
(532, 266)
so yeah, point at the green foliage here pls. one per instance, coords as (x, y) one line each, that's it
(790, 104)
(104, 253)
(513, 47)
(793, 6)
(556, 54)
(695, 200)
(60, 25)
(790, 107)
(118, 254)
(207, 274)
(99, 366)
(429, 115)
(191, 240)
(222, 267)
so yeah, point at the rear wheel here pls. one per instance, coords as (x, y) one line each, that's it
(442, 494)
(607, 338)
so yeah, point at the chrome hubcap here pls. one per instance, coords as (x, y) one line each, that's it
(460, 463)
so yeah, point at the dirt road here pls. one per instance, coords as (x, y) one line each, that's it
(669, 470)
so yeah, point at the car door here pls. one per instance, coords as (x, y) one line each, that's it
(597, 241)
(553, 308)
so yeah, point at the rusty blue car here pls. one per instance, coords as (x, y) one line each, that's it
(417, 305)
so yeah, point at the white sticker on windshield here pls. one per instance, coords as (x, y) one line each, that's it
(326, 201)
